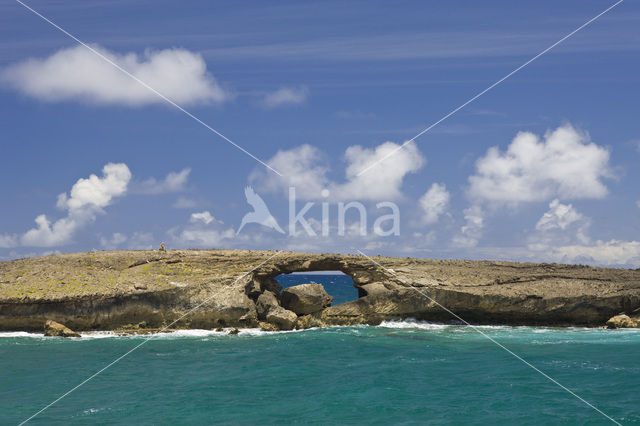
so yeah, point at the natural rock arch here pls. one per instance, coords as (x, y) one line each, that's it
(264, 278)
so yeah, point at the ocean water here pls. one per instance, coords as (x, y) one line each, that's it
(397, 373)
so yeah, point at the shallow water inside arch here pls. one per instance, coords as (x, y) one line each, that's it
(337, 284)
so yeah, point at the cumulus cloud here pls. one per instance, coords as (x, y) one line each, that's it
(434, 203)
(610, 253)
(86, 199)
(205, 237)
(97, 192)
(383, 181)
(565, 163)
(8, 241)
(173, 182)
(562, 235)
(76, 73)
(562, 224)
(471, 232)
(307, 171)
(201, 236)
(286, 96)
(202, 231)
(559, 216)
(204, 217)
(47, 235)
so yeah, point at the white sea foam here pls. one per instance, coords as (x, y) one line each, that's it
(413, 324)
(19, 334)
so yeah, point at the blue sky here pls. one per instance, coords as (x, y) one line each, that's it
(328, 77)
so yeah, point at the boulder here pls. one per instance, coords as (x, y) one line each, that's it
(305, 299)
(52, 328)
(310, 321)
(265, 326)
(282, 318)
(621, 321)
(266, 301)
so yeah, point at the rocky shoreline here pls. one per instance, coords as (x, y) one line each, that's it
(138, 291)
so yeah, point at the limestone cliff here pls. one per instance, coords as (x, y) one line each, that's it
(151, 289)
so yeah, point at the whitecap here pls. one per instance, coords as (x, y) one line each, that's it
(413, 324)
(19, 334)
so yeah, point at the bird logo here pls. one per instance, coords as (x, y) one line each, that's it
(260, 213)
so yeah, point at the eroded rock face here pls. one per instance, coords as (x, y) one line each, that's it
(233, 306)
(621, 321)
(52, 328)
(220, 288)
(305, 299)
(266, 301)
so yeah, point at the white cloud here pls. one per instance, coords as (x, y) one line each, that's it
(638, 203)
(45, 235)
(173, 182)
(286, 96)
(114, 241)
(95, 191)
(137, 241)
(559, 216)
(564, 164)
(561, 235)
(76, 73)
(434, 203)
(8, 241)
(204, 237)
(611, 253)
(204, 231)
(562, 224)
(307, 171)
(204, 217)
(86, 199)
(471, 232)
(382, 181)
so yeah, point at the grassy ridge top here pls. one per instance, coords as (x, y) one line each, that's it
(112, 273)
(109, 273)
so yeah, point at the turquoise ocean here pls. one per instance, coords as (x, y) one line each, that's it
(401, 372)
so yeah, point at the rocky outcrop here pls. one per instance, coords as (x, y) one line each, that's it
(52, 328)
(621, 321)
(305, 299)
(266, 301)
(237, 288)
(269, 310)
(282, 318)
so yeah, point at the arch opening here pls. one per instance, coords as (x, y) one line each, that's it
(336, 283)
